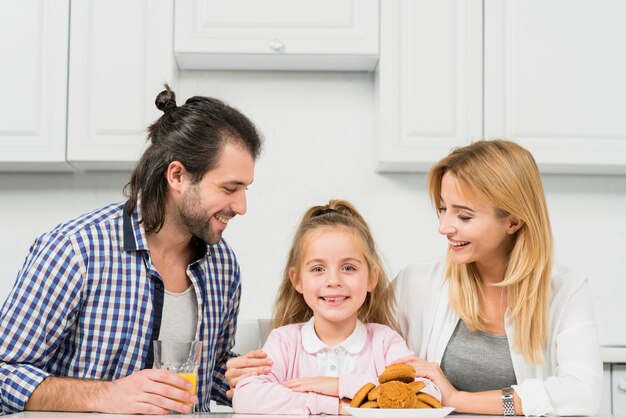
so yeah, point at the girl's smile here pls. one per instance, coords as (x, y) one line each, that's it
(334, 300)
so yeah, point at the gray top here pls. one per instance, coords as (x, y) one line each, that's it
(180, 316)
(477, 361)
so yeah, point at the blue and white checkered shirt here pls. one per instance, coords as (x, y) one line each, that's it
(88, 301)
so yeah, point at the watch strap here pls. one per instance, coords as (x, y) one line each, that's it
(508, 406)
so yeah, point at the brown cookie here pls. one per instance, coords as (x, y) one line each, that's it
(369, 404)
(421, 404)
(373, 395)
(396, 394)
(417, 385)
(361, 395)
(402, 372)
(429, 399)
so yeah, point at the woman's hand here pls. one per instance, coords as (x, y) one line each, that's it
(433, 372)
(251, 364)
(320, 384)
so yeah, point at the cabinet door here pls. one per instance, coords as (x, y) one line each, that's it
(34, 52)
(121, 54)
(276, 34)
(554, 81)
(429, 81)
(619, 389)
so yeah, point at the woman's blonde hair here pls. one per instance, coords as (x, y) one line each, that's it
(505, 174)
(290, 306)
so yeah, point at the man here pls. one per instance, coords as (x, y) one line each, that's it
(76, 331)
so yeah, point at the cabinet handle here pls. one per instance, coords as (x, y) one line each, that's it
(276, 45)
(622, 384)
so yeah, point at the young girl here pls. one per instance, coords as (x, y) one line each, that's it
(333, 315)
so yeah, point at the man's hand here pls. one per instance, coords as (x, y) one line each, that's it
(321, 384)
(254, 363)
(149, 391)
(145, 392)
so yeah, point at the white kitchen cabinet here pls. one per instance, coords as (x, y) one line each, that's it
(121, 54)
(277, 34)
(34, 47)
(619, 389)
(429, 80)
(554, 81)
(553, 77)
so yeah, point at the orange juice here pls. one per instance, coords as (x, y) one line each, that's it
(192, 378)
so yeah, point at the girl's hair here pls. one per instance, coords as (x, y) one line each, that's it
(505, 174)
(290, 306)
(195, 135)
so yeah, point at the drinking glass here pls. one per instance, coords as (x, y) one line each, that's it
(180, 357)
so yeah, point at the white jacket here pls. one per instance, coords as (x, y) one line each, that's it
(569, 382)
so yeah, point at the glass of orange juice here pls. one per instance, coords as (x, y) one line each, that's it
(180, 357)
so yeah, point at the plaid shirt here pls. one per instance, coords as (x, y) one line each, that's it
(88, 301)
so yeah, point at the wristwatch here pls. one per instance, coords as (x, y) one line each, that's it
(508, 407)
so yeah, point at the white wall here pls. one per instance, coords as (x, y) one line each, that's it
(320, 142)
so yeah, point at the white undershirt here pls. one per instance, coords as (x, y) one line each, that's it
(180, 316)
(340, 359)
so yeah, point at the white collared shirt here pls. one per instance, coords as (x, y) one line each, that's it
(340, 359)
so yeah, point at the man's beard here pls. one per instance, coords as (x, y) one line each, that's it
(198, 223)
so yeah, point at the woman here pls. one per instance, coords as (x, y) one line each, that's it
(497, 313)
(497, 326)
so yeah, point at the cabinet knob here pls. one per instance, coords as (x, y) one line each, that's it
(277, 45)
(622, 384)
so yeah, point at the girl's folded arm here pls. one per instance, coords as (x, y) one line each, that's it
(265, 394)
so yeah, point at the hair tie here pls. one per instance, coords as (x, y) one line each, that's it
(169, 105)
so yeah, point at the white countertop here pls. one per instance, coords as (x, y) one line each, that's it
(200, 414)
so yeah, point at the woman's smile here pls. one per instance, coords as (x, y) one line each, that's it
(458, 245)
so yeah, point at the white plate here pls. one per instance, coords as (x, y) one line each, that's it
(402, 413)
